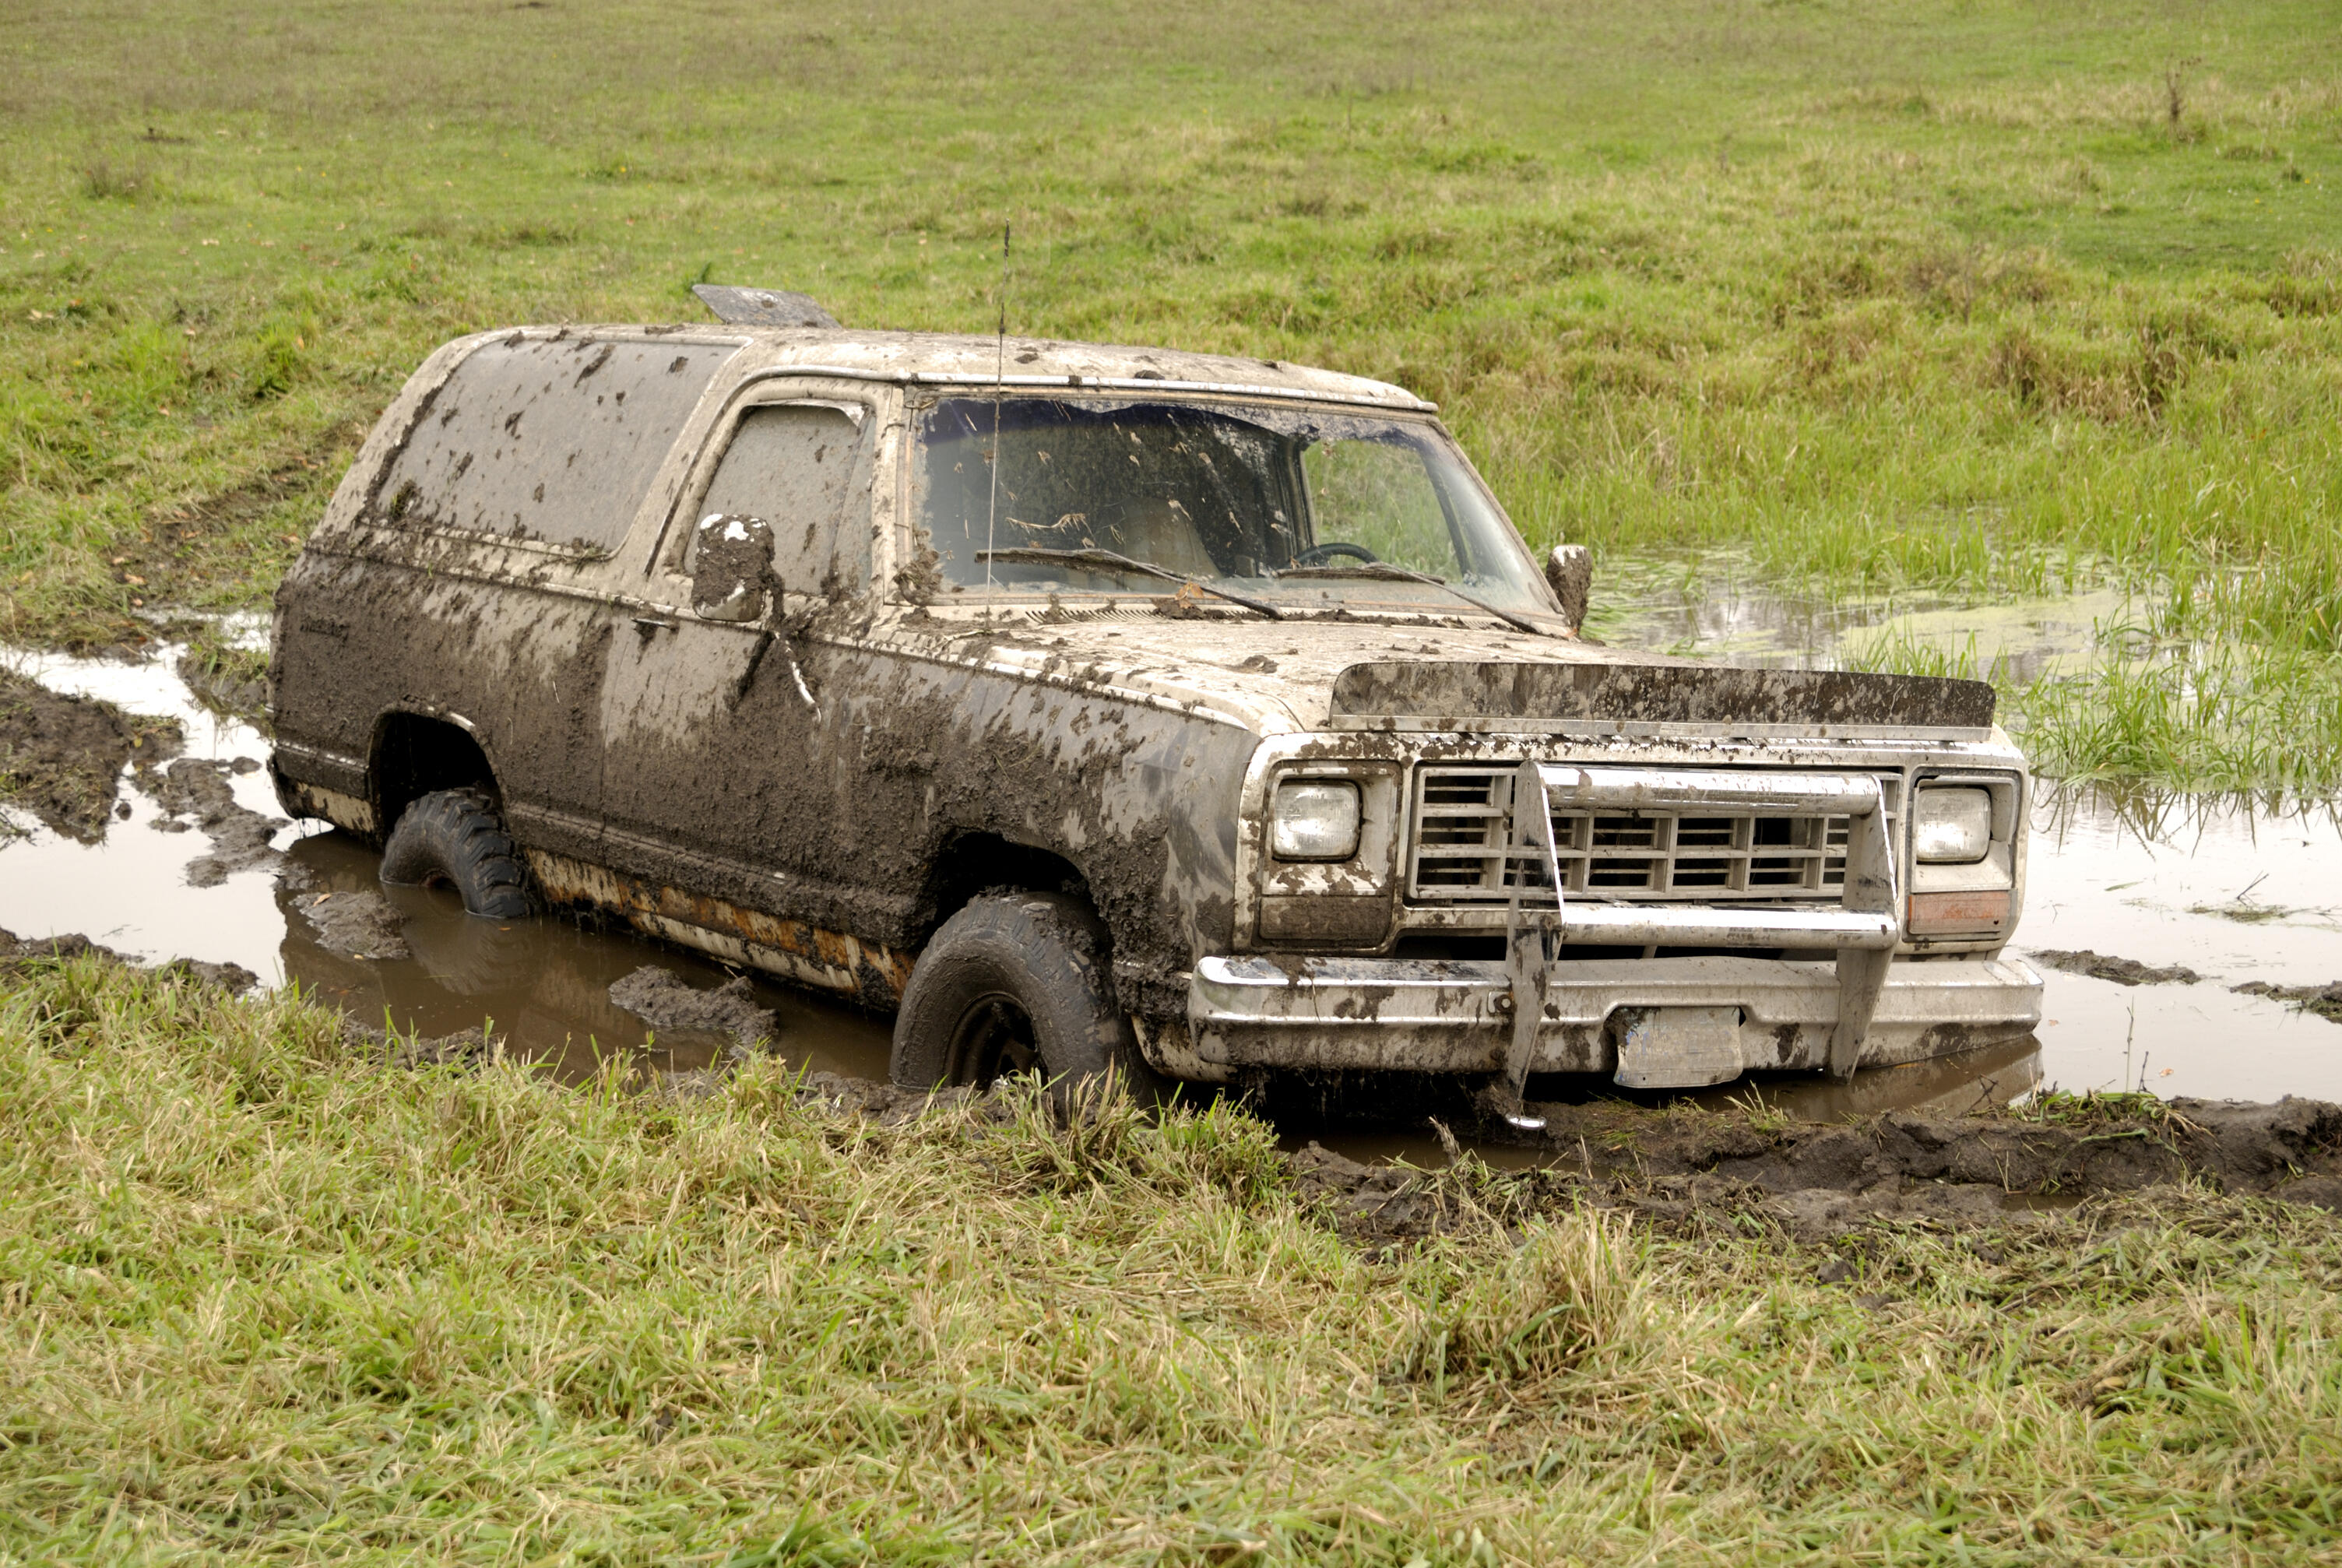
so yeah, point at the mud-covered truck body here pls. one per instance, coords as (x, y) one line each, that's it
(1222, 726)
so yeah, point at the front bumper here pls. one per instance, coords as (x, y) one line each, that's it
(1401, 1015)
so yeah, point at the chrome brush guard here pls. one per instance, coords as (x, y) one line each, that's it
(1863, 928)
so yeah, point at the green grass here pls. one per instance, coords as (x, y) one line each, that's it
(1983, 298)
(266, 1299)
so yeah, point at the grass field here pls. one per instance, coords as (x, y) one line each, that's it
(1957, 298)
(267, 1301)
(1974, 298)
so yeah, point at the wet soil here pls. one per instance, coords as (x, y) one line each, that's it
(234, 686)
(61, 756)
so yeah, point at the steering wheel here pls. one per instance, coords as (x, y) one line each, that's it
(1318, 554)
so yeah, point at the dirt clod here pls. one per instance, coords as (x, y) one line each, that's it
(661, 998)
(60, 757)
(2121, 971)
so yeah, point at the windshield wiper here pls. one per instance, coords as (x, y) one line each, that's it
(1028, 555)
(1385, 571)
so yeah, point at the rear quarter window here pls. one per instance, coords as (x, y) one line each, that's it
(551, 441)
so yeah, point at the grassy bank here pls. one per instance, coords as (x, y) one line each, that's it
(1987, 299)
(268, 1300)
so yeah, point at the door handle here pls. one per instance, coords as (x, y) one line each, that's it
(655, 623)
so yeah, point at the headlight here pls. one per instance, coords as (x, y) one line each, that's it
(1952, 826)
(1314, 819)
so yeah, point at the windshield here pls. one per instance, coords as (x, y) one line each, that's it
(1298, 507)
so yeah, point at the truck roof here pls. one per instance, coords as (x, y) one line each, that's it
(1027, 363)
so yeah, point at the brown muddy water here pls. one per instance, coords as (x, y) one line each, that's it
(2229, 890)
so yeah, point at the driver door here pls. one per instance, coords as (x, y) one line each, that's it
(721, 769)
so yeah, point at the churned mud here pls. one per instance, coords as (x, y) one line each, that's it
(61, 756)
(194, 792)
(1815, 1182)
(664, 1000)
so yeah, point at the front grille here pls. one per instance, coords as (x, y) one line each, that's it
(1639, 856)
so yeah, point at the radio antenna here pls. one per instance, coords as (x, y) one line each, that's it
(999, 377)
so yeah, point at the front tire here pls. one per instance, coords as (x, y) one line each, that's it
(458, 838)
(1016, 982)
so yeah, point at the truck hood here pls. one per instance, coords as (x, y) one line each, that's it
(1285, 676)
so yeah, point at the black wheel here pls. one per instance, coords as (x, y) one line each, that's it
(1318, 554)
(1016, 982)
(458, 838)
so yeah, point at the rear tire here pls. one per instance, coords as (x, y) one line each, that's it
(457, 837)
(1017, 983)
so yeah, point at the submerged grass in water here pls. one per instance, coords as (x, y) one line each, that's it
(2214, 717)
(267, 1298)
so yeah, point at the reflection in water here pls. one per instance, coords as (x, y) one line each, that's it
(542, 984)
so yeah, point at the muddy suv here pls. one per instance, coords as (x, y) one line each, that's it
(1107, 708)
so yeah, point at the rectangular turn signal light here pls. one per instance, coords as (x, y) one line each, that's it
(1958, 914)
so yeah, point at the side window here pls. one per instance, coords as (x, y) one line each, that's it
(798, 466)
(555, 441)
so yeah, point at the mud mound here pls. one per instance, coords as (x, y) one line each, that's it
(2121, 971)
(356, 922)
(663, 999)
(17, 949)
(2326, 1000)
(233, 978)
(60, 755)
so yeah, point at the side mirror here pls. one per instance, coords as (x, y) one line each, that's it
(732, 572)
(1570, 571)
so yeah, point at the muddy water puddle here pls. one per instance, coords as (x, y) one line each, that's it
(2229, 891)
